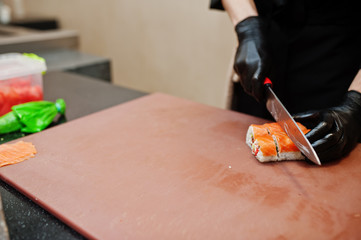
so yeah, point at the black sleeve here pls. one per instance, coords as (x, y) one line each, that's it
(217, 4)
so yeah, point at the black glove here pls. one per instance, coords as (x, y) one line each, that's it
(335, 131)
(252, 61)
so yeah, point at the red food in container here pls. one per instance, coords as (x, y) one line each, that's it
(21, 80)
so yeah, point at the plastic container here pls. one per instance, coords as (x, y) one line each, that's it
(21, 80)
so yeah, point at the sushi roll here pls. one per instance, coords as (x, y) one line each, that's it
(286, 149)
(255, 131)
(264, 149)
(270, 143)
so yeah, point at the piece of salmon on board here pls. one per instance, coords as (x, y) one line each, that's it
(16, 152)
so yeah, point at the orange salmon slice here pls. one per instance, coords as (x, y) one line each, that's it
(16, 152)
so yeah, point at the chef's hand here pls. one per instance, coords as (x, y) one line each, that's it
(252, 61)
(335, 131)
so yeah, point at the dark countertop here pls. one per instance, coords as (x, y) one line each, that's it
(83, 96)
(72, 60)
(60, 59)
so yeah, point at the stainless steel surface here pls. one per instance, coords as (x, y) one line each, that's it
(4, 33)
(285, 120)
(7, 31)
(19, 39)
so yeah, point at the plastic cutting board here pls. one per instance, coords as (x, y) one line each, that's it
(161, 167)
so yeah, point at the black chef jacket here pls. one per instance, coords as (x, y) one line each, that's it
(316, 53)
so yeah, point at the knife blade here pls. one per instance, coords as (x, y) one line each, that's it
(285, 120)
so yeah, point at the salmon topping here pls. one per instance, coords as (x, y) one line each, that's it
(258, 131)
(16, 152)
(267, 145)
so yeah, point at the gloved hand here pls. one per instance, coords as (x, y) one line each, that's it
(335, 131)
(252, 61)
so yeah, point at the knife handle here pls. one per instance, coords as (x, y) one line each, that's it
(267, 82)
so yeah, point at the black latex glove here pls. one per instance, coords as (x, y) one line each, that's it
(334, 131)
(252, 61)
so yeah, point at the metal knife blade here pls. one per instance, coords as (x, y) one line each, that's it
(284, 119)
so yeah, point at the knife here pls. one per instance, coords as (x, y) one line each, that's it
(284, 119)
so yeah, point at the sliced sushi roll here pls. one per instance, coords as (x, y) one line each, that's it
(264, 149)
(286, 149)
(254, 131)
(270, 143)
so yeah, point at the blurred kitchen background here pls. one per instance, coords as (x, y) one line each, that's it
(179, 47)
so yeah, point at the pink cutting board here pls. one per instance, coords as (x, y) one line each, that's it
(161, 167)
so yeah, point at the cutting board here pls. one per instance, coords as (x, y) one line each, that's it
(161, 167)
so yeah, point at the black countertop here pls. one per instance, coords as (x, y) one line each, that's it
(83, 96)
